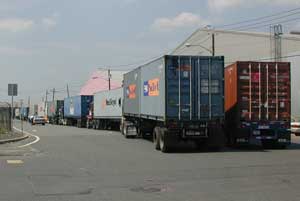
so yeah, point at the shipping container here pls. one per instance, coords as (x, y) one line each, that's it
(76, 110)
(41, 109)
(107, 109)
(175, 98)
(258, 103)
(33, 110)
(55, 111)
(17, 113)
(24, 111)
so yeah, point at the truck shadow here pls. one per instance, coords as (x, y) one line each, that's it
(187, 149)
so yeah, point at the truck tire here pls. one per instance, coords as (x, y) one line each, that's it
(156, 137)
(125, 131)
(164, 141)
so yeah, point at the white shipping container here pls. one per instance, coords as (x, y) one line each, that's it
(108, 104)
(41, 109)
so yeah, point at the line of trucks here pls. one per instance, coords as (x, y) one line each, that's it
(191, 98)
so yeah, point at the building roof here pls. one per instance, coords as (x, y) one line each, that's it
(236, 45)
(98, 82)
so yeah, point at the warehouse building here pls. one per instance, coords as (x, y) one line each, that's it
(247, 46)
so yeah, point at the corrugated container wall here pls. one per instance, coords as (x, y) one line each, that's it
(132, 88)
(258, 91)
(77, 106)
(176, 87)
(108, 104)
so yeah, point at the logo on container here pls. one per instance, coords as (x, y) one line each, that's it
(131, 91)
(151, 87)
(109, 102)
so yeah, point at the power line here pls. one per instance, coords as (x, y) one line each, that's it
(267, 21)
(270, 24)
(259, 18)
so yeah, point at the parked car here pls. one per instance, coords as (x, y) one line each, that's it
(38, 120)
(30, 118)
(295, 127)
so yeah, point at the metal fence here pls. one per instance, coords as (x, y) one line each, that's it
(5, 118)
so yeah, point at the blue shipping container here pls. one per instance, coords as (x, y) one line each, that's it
(77, 106)
(24, 112)
(185, 88)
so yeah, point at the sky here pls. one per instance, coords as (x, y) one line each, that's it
(48, 44)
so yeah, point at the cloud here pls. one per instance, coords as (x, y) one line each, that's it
(15, 24)
(184, 19)
(50, 22)
(221, 5)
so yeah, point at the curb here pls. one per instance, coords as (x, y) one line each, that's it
(14, 139)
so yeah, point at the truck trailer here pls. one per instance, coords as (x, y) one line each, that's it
(55, 111)
(76, 110)
(24, 112)
(176, 98)
(107, 110)
(258, 103)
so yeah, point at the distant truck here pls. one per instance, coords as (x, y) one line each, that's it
(176, 98)
(55, 111)
(76, 110)
(41, 109)
(106, 112)
(24, 112)
(258, 103)
(17, 113)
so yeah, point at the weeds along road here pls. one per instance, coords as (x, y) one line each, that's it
(79, 164)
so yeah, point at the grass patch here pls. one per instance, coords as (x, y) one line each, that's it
(3, 131)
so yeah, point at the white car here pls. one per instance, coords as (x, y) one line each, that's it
(295, 127)
(38, 120)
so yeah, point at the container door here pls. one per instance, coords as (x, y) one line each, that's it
(264, 91)
(277, 93)
(179, 87)
(210, 96)
(195, 87)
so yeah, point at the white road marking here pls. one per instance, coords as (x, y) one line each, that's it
(34, 131)
(37, 138)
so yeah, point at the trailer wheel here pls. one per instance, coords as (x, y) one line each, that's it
(125, 130)
(163, 141)
(156, 138)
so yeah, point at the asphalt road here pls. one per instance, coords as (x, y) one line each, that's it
(79, 164)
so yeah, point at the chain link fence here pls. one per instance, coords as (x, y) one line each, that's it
(5, 118)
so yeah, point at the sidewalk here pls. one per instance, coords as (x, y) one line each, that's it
(12, 137)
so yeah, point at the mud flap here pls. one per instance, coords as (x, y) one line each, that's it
(216, 138)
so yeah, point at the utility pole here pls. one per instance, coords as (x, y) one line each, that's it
(213, 44)
(53, 94)
(109, 77)
(68, 93)
(46, 102)
(275, 35)
(29, 101)
(21, 115)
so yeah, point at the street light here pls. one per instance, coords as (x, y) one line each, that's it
(205, 48)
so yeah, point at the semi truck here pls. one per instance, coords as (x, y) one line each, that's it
(55, 111)
(24, 112)
(258, 103)
(76, 110)
(106, 112)
(176, 98)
